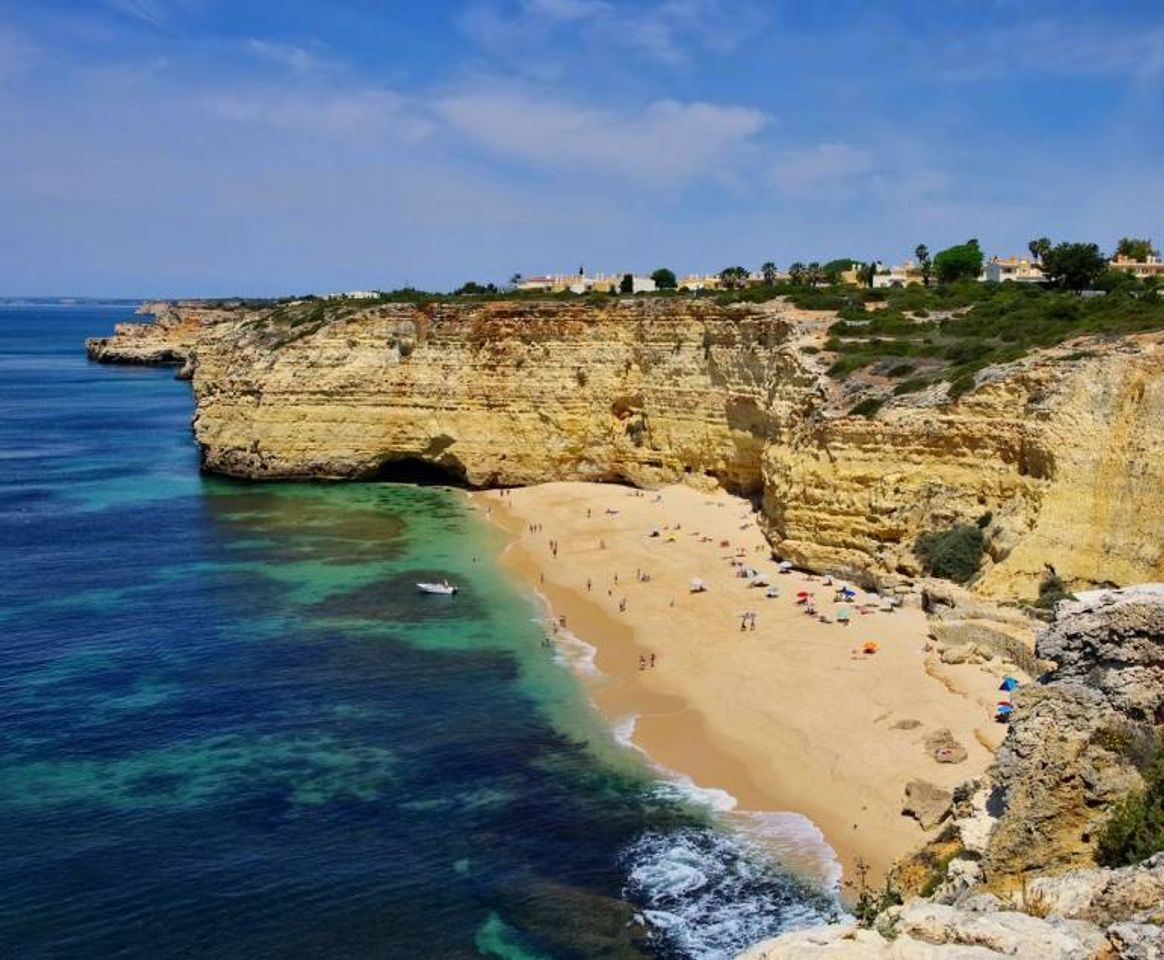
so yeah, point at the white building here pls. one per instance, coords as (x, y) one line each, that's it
(1015, 269)
(903, 275)
(1152, 267)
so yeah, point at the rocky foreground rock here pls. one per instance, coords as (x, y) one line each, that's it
(1071, 751)
(1062, 449)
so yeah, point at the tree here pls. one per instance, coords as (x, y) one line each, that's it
(922, 252)
(627, 283)
(814, 274)
(1074, 266)
(664, 279)
(1135, 248)
(733, 277)
(867, 272)
(834, 268)
(515, 280)
(961, 262)
(768, 269)
(1039, 248)
(473, 288)
(796, 273)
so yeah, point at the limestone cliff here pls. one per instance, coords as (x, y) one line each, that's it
(642, 391)
(1076, 738)
(1064, 448)
(168, 339)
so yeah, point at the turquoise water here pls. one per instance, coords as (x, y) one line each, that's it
(233, 728)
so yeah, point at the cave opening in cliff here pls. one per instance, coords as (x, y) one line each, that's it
(423, 473)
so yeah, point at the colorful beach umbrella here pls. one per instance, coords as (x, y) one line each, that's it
(844, 613)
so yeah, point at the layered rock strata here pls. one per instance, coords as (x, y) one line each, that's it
(1062, 449)
(1077, 739)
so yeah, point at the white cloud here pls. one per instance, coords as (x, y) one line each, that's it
(665, 141)
(566, 10)
(668, 31)
(1064, 47)
(152, 12)
(358, 111)
(821, 166)
(295, 58)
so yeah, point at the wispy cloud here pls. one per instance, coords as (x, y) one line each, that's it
(297, 59)
(366, 111)
(665, 141)
(823, 165)
(1077, 46)
(152, 12)
(668, 31)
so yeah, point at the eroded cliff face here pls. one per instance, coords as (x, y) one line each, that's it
(1064, 452)
(168, 338)
(1064, 449)
(642, 391)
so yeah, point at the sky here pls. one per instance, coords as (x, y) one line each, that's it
(265, 147)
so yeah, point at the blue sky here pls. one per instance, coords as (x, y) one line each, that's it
(211, 147)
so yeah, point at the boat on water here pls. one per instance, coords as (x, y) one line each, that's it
(444, 587)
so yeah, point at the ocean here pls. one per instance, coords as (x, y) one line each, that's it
(231, 727)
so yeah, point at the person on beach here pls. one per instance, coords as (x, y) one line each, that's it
(622, 605)
(652, 661)
(642, 662)
(588, 584)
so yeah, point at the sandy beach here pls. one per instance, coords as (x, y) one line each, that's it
(787, 714)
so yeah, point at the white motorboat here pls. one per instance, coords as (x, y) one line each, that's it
(444, 587)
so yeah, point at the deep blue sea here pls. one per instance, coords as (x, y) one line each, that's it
(230, 726)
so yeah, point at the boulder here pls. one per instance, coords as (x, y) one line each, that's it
(942, 746)
(1008, 933)
(1137, 941)
(927, 803)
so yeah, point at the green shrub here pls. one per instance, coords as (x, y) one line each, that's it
(899, 370)
(1135, 829)
(867, 407)
(953, 554)
(961, 385)
(912, 385)
(1051, 591)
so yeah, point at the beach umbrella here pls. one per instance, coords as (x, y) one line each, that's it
(1008, 684)
(871, 647)
(784, 565)
(803, 594)
(844, 613)
(1005, 708)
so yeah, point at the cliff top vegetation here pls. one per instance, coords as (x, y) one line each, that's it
(913, 337)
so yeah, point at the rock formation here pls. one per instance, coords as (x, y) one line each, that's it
(1063, 451)
(168, 339)
(1073, 745)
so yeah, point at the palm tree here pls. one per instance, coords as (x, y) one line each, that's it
(732, 277)
(922, 252)
(814, 274)
(1039, 248)
(768, 269)
(796, 273)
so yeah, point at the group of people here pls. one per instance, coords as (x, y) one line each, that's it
(647, 663)
(747, 621)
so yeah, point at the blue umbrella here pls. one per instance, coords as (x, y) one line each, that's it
(1008, 684)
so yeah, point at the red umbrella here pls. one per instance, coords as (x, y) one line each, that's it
(804, 593)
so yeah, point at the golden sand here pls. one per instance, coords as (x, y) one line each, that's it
(790, 715)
